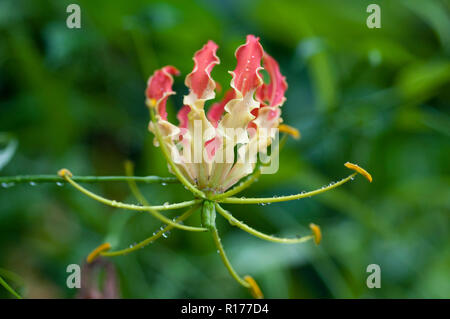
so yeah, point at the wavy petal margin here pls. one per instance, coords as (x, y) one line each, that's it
(272, 94)
(199, 80)
(159, 88)
(246, 80)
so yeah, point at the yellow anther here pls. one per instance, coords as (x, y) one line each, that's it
(254, 288)
(360, 170)
(316, 232)
(103, 247)
(64, 172)
(289, 130)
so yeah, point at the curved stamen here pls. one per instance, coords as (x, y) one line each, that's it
(94, 254)
(316, 232)
(254, 288)
(150, 239)
(292, 131)
(359, 170)
(233, 221)
(67, 176)
(263, 200)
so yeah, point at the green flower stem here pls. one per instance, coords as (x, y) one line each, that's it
(152, 238)
(264, 200)
(233, 221)
(8, 287)
(137, 193)
(225, 260)
(86, 179)
(116, 204)
(174, 168)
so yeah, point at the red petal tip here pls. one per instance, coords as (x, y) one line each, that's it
(200, 78)
(159, 87)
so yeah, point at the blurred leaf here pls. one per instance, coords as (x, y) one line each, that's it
(435, 14)
(9, 288)
(421, 81)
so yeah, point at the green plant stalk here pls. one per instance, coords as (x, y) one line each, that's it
(174, 168)
(208, 215)
(223, 255)
(209, 221)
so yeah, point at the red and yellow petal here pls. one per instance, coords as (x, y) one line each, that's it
(159, 87)
(216, 110)
(246, 76)
(182, 116)
(272, 94)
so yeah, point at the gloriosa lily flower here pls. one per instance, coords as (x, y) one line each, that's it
(248, 107)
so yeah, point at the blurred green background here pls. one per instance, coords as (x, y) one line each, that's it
(377, 97)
